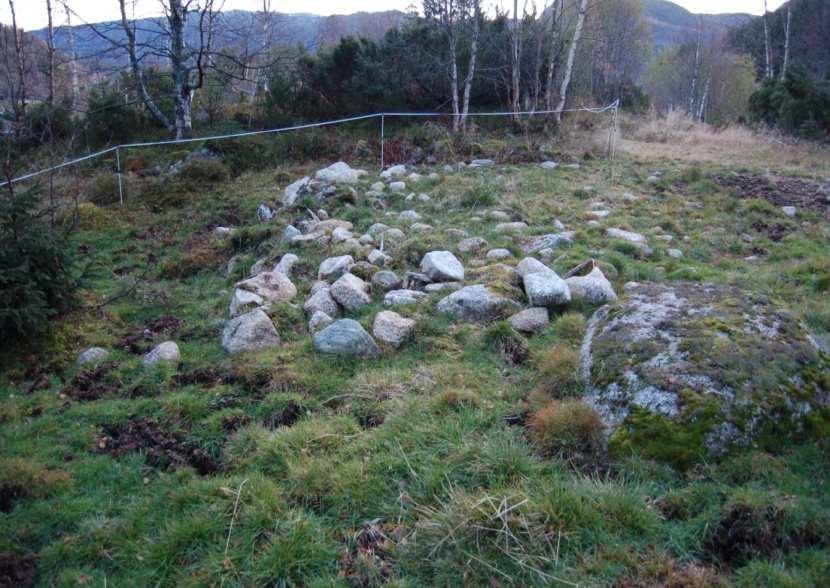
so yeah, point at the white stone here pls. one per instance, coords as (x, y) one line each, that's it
(334, 267)
(91, 356)
(318, 321)
(409, 216)
(594, 287)
(321, 301)
(498, 254)
(286, 264)
(675, 253)
(442, 266)
(249, 332)
(789, 210)
(403, 297)
(471, 245)
(397, 187)
(530, 320)
(393, 172)
(293, 191)
(339, 173)
(167, 352)
(345, 337)
(546, 289)
(515, 227)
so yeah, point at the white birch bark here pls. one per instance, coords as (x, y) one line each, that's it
(569, 65)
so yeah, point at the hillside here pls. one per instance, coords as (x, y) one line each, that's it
(236, 28)
(461, 371)
(673, 25)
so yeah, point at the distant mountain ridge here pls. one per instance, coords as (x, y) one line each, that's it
(670, 25)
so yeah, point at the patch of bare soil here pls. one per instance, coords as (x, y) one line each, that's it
(779, 190)
(163, 449)
(92, 384)
(285, 417)
(140, 341)
(205, 377)
(744, 532)
(10, 493)
(775, 231)
(17, 571)
(670, 573)
(371, 556)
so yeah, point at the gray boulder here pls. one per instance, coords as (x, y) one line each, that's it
(334, 267)
(268, 287)
(475, 303)
(286, 264)
(92, 355)
(392, 329)
(249, 332)
(289, 233)
(442, 266)
(339, 173)
(593, 288)
(318, 321)
(546, 289)
(167, 352)
(403, 297)
(321, 301)
(351, 292)
(386, 280)
(293, 191)
(346, 337)
(530, 320)
(709, 366)
(471, 244)
(264, 213)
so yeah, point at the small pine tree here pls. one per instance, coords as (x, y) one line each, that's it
(37, 267)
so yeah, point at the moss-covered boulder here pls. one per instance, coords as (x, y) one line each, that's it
(684, 371)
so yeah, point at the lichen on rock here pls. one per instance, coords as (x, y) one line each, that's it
(684, 371)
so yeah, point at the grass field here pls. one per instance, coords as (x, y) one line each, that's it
(420, 468)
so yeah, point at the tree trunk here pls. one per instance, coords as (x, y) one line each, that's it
(515, 63)
(556, 16)
(183, 125)
(702, 109)
(786, 44)
(767, 48)
(50, 55)
(456, 119)
(471, 71)
(18, 94)
(569, 66)
(76, 90)
(696, 71)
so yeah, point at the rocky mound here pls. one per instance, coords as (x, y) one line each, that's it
(683, 371)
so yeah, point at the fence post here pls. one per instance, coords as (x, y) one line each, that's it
(118, 172)
(382, 131)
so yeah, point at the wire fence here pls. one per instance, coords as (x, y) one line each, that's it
(613, 108)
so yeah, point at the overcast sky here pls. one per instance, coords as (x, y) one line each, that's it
(31, 14)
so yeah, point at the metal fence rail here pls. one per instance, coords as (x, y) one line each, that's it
(613, 108)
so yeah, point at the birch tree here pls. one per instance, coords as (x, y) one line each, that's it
(458, 19)
(187, 64)
(767, 48)
(555, 33)
(569, 65)
(786, 44)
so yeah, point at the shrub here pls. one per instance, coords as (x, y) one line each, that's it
(502, 338)
(104, 189)
(570, 327)
(37, 278)
(569, 429)
(200, 171)
(559, 371)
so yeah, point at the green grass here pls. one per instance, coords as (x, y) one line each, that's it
(422, 442)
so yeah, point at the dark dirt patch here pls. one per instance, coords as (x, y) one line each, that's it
(775, 232)
(206, 377)
(668, 572)
(373, 546)
(10, 493)
(234, 422)
(779, 190)
(17, 571)
(92, 384)
(140, 341)
(743, 533)
(163, 449)
(285, 417)
(42, 382)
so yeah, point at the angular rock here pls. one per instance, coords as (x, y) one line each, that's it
(286, 264)
(321, 301)
(403, 297)
(351, 292)
(249, 332)
(499, 254)
(318, 321)
(549, 241)
(293, 191)
(397, 187)
(530, 265)
(471, 245)
(334, 267)
(475, 303)
(391, 328)
(549, 165)
(482, 163)
(443, 287)
(340, 235)
(442, 266)
(386, 280)
(593, 288)
(363, 270)
(393, 172)
(264, 213)
(270, 287)
(675, 253)
(92, 355)
(409, 216)
(346, 337)
(167, 352)
(289, 232)
(546, 289)
(339, 173)
(530, 320)
(379, 258)
(415, 280)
